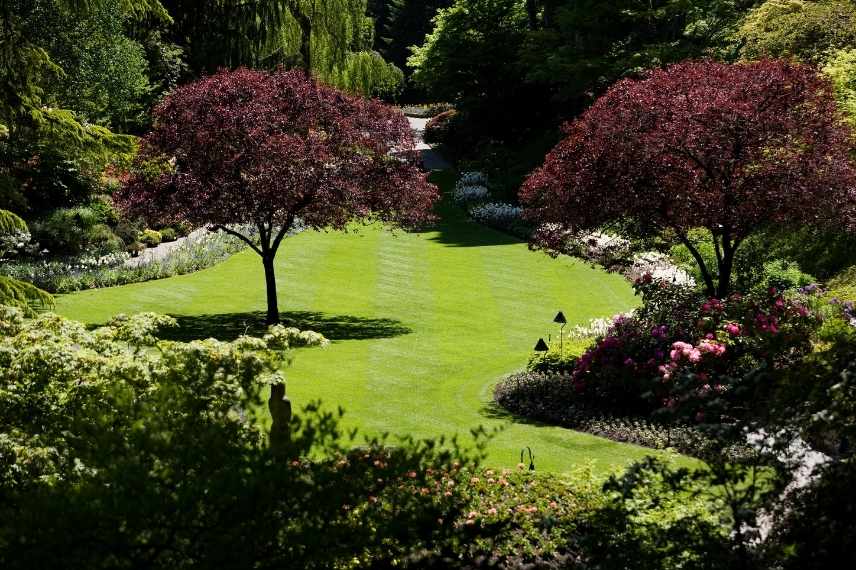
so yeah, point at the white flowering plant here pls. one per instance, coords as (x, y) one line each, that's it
(659, 266)
(470, 193)
(496, 212)
(472, 177)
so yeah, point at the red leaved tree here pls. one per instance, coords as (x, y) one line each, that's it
(729, 148)
(265, 149)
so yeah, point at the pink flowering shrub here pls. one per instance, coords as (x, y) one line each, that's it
(634, 367)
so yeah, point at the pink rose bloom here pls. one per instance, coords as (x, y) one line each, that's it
(694, 355)
(732, 329)
(711, 347)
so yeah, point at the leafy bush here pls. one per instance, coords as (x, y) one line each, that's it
(150, 238)
(527, 518)
(552, 398)
(782, 275)
(561, 356)
(843, 285)
(167, 235)
(118, 447)
(74, 231)
(439, 128)
(797, 28)
(643, 362)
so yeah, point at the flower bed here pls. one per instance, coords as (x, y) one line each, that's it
(68, 275)
(552, 398)
(465, 193)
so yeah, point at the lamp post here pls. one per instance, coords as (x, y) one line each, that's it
(541, 346)
(560, 318)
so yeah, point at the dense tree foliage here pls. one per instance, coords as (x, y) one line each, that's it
(400, 24)
(258, 148)
(729, 148)
(515, 65)
(806, 30)
(332, 38)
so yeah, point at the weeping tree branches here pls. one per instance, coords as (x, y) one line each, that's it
(329, 39)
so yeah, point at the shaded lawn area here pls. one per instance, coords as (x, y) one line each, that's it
(423, 325)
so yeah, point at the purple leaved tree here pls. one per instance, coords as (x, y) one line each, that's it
(264, 149)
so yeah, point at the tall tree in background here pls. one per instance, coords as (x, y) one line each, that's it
(264, 149)
(25, 64)
(332, 39)
(400, 24)
(728, 148)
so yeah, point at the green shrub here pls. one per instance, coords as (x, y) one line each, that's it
(73, 231)
(182, 229)
(150, 238)
(556, 360)
(135, 248)
(783, 275)
(128, 231)
(167, 234)
(439, 129)
(763, 261)
(843, 285)
(152, 451)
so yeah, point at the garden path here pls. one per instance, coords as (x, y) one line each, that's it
(430, 157)
(162, 251)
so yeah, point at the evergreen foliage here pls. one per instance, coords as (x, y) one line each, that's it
(14, 292)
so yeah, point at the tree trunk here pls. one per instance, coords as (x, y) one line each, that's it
(725, 269)
(270, 284)
(305, 24)
(532, 13)
(705, 273)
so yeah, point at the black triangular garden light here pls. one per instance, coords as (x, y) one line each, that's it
(560, 318)
(541, 346)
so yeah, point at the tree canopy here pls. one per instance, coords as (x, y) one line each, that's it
(266, 148)
(729, 148)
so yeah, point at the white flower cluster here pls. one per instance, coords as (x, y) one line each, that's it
(109, 260)
(472, 178)
(13, 241)
(470, 193)
(659, 266)
(599, 245)
(471, 187)
(596, 327)
(496, 212)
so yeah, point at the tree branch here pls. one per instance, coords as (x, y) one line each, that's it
(238, 235)
(283, 230)
(705, 273)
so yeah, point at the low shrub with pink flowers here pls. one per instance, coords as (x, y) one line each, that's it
(633, 368)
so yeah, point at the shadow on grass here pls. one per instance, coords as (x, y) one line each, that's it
(229, 326)
(492, 410)
(455, 229)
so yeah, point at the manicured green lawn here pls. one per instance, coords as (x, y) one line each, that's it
(423, 325)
